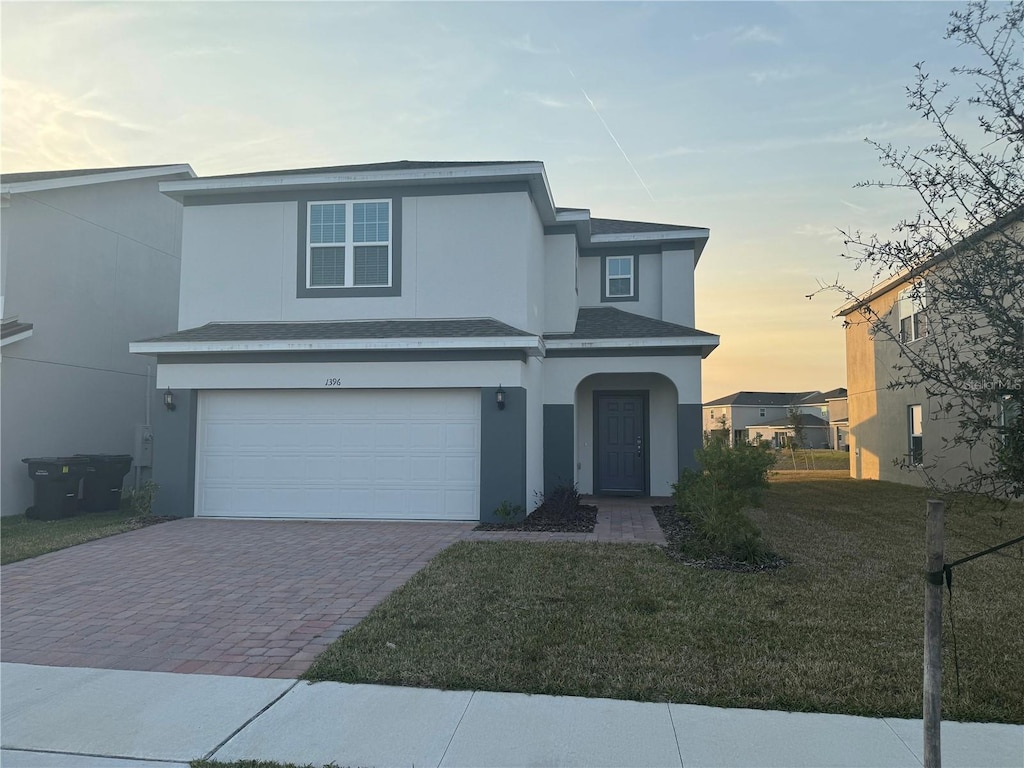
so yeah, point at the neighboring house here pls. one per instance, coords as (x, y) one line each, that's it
(421, 341)
(893, 429)
(757, 416)
(89, 261)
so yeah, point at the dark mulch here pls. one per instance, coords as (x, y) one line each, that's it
(546, 518)
(144, 521)
(680, 533)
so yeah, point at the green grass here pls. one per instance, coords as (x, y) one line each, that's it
(21, 538)
(839, 630)
(813, 459)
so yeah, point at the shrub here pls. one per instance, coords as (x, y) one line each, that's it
(561, 502)
(509, 513)
(713, 499)
(140, 500)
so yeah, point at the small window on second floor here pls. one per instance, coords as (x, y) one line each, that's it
(913, 321)
(619, 277)
(762, 413)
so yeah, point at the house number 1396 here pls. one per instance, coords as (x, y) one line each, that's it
(333, 383)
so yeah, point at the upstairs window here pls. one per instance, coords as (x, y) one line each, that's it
(913, 322)
(762, 412)
(348, 244)
(619, 277)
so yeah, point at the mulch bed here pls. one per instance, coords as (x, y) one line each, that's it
(543, 518)
(679, 531)
(144, 521)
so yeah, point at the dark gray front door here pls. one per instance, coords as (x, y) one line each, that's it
(620, 445)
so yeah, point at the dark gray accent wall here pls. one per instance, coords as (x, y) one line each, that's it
(346, 192)
(342, 356)
(689, 433)
(174, 454)
(559, 439)
(626, 352)
(502, 451)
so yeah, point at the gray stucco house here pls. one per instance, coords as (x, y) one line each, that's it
(757, 416)
(89, 260)
(420, 340)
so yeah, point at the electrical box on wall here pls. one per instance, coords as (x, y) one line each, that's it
(143, 445)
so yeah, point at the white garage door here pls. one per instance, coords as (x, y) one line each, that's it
(385, 454)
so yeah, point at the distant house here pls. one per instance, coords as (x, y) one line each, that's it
(90, 260)
(759, 416)
(891, 429)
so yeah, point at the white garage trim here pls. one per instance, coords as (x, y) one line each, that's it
(339, 454)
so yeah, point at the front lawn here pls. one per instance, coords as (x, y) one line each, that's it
(839, 630)
(22, 538)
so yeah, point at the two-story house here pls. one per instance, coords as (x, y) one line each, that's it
(906, 434)
(421, 340)
(760, 416)
(89, 261)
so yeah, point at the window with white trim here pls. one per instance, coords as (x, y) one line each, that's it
(915, 426)
(762, 412)
(913, 322)
(348, 244)
(619, 277)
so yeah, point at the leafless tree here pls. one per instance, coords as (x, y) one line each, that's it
(963, 250)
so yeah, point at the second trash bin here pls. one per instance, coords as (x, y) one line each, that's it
(55, 480)
(104, 479)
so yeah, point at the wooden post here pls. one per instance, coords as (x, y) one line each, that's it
(933, 635)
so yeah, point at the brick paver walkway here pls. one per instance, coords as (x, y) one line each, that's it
(234, 597)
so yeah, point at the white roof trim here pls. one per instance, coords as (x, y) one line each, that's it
(573, 216)
(477, 342)
(16, 337)
(96, 178)
(652, 342)
(629, 237)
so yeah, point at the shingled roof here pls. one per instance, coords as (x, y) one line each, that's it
(612, 323)
(18, 178)
(483, 327)
(763, 398)
(806, 419)
(622, 227)
(397, 165)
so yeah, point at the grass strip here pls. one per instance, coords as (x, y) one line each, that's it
(22, 538)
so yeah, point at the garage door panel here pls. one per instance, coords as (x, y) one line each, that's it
(460, 469)
(426, 467)
(394, 454)
(462, 436)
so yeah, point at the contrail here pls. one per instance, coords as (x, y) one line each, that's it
(593, 106)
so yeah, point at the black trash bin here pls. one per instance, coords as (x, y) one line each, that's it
(56, 480)
(104, 479)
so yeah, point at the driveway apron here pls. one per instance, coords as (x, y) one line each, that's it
(252, 598)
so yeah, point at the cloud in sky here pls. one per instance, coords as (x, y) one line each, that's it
(524, 43)
(756, 34)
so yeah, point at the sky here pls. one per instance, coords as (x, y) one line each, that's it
(748, 118)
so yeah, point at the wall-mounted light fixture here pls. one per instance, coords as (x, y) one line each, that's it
(499, 398)
(169, 400)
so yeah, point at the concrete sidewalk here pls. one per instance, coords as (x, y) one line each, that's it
(89, 718)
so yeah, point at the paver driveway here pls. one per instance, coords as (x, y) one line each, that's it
(253, 598)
